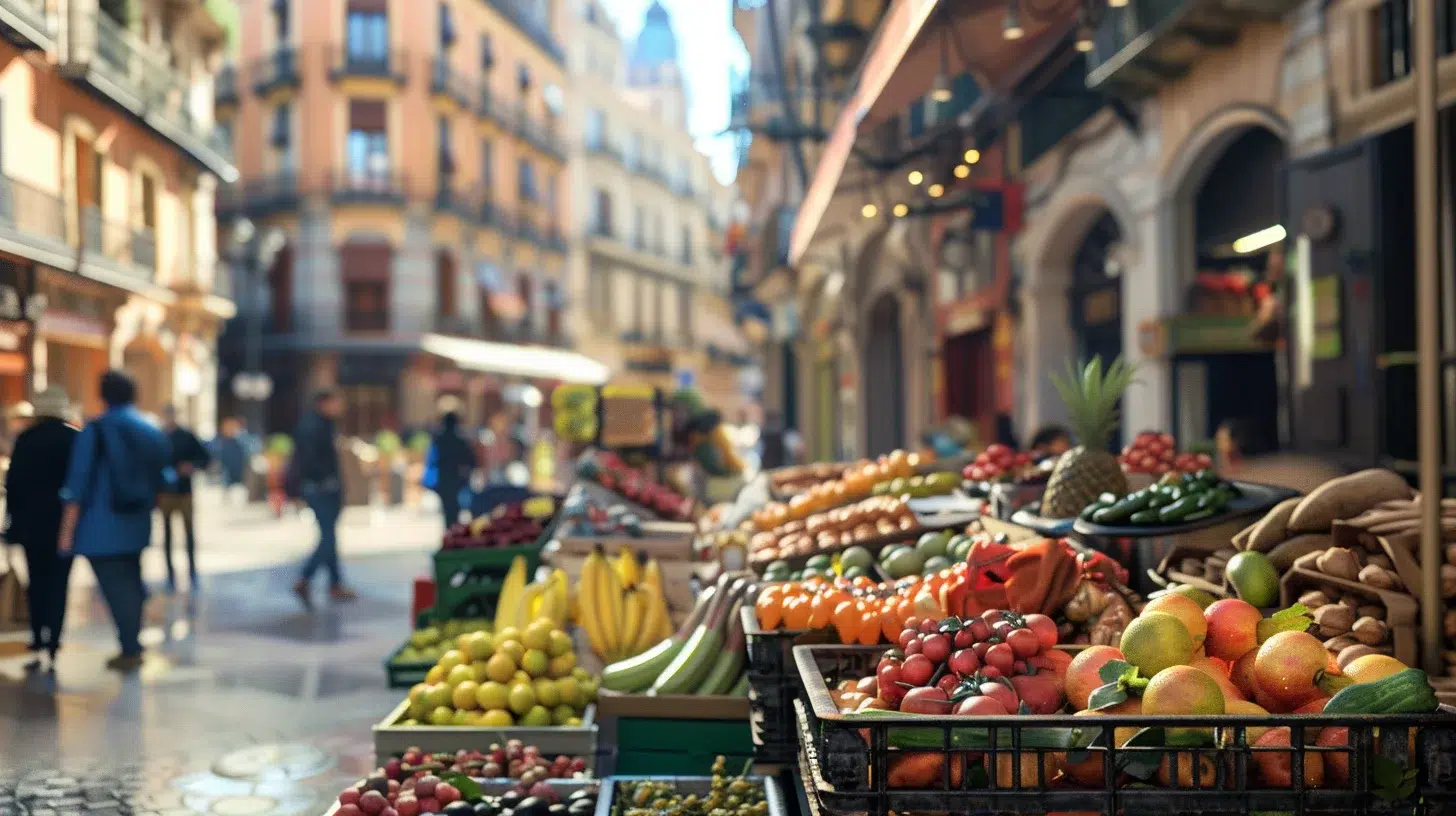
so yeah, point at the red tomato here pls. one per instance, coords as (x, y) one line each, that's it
(975, 473)
(1129, 449)
(1167, 440)
(1147, 462)
(1204, 460)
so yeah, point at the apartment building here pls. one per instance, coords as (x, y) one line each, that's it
(412, 154)
(107, 174)
(651, 277)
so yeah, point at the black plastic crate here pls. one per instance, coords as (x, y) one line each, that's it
(773, 685)
(1012, 764)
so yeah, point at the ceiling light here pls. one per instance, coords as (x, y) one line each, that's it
(1255, 241)
(940, 90)
(1011, 28)
(901, 210)
(1116, 3)
(962, 170)
(916, 177)
(869, 211)
(936, 190)
(972, 156)
(1084, 38)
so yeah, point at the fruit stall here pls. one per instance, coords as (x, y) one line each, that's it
(878, 636)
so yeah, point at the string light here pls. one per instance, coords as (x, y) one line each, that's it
(1084, 38)
(962, 171)
(972, 156)
(1116, 3)
(936, 190)
(916, 177)
(901, 210)
(1011, 29)
(869, 211)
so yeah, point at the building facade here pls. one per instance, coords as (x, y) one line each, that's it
(413, 156)
(107, 174)
(650, 291)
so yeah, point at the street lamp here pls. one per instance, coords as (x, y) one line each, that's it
(253, 252)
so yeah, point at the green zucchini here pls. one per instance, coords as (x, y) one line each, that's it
(1145, 517)
(1405, 692)
(1178, 509)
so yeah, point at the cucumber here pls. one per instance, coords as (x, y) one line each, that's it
(1405, 692)
(686, 671)
(637, 673)
(740, 686)
(726, 668)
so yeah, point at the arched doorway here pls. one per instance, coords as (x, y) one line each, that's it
(1238, 245)
(1096, 293)
(884, 378)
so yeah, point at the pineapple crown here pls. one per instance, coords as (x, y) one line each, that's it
(1091, 396)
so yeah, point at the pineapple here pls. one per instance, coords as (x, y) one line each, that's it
(1088, 470)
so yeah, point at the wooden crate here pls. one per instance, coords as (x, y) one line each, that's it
(1401, 610)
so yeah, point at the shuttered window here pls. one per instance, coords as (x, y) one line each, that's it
(365, 271)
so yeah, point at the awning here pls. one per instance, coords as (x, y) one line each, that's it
(517, 361)
(901, 66)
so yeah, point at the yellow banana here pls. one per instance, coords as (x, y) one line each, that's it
(626, 563)
(533, 604)
(587, 614)
(655, 617)
(607, 604)
(508, 609)
(652, 574)
(556, 600)
(548, 608)
(633, 614)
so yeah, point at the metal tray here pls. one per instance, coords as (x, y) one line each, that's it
(1255, 498)
(700, 785)
(391, 739)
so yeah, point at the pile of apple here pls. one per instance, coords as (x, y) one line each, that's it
(610, 471)
(999, 463)
(508, 525)
(1157, 454)
(997, 664)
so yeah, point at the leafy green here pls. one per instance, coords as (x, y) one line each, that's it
(1296, 618)
(1393, 782)
(470, 790)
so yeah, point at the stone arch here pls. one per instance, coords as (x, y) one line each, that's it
(1206, 143)
(1060, 228)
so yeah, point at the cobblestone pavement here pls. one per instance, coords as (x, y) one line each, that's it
(247, 704)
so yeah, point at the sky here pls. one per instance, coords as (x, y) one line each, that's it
(709, 50)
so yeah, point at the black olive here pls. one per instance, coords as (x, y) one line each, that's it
(582, 807)
(485, 808)
(581, 794)
(377, 783)
(557, 809)
(510, 799)
(531, 806)
(459, 808)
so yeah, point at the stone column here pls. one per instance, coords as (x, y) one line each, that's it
(1149, 293)
(1047, 345)
(411, 286)
(318, 302)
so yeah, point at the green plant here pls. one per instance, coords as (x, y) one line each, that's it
(280, 444)
(388, 443)
(419, 443)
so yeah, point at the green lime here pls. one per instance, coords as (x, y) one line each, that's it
(935, 564)
(818, 562)
(856, 556)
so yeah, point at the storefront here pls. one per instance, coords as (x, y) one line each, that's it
(19, 308)
(74, 336)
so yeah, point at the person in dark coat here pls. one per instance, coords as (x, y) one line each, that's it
(449, 464)
(38, 466)
(315, 469)
(189, 456)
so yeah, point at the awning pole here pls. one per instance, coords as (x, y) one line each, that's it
(1428, 343)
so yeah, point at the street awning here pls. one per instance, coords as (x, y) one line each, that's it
(517, 361)
(909, 49)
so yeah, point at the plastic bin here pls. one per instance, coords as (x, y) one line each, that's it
(773, 685)
(1006, 762)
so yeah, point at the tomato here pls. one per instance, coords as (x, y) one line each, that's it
(1001, 693)
(981, 706)
(925, 701)
(1001, 656)
(1146, 462)
(1045, 629)
(1167, 440)
(1039, 692)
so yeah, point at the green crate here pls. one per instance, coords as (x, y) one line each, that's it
(711, 737)
(487, 568)
(404, 675)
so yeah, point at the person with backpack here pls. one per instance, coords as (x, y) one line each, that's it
(118, 466)
(448, 466)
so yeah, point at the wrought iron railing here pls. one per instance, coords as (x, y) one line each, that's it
(538, 31)
(353, 61)
(264, 194)
(351, 185)
(446, 81)
(276, 70)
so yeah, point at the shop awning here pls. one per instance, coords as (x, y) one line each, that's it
(517, 361)
(913, 40)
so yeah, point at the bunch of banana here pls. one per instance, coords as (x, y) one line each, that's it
(549, 598)
(510, 607)
(621, 605)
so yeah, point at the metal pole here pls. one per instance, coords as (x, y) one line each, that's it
(1428, 339)
(253, 348)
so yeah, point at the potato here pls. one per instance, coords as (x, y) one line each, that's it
(1273, 528)
(1346, 497)
(1284, 555)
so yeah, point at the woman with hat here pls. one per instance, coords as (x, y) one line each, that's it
(38, 467)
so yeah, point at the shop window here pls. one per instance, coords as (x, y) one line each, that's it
(365, 269)
(445, 303)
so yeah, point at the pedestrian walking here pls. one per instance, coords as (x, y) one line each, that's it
(230, 449)
(448, 465)
(117, 469)
(188, 457)
(316, 469)
(33, 485)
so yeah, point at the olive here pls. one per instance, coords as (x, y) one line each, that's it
(557, 809)
(510, 799)
(459, 808)
(531, 806)
(485, 807)
(581, 794)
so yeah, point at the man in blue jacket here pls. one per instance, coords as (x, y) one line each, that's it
(118, 465)
(316, 471)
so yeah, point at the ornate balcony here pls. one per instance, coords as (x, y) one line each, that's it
(449, 84)
(357, 63)
(350, 186)
(258, 196)
(277, 70)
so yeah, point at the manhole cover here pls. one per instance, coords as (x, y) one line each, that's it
(288, 761)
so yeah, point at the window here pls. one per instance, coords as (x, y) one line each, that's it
(685, 313)
(445, 303)
(282, 130)
(368, 33)
(639, 228)
(553, 310)
(487, 53)
(487, 164)
(526, 177)
(550, 191)
(602, 212)
(447, 151)
(596, 128)
(149, 203)
(634, 149)
(368, 142)
(524, 289)
(280, 20)
(523, 77)
(365, 270)
(280, 289)
(687, 246)
(659, 237)
(447, 27)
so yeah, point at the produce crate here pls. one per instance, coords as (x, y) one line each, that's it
(496, 787)
(476, 575)
(1401, 610)
(686, 746)
(773, 684)
(1011, 763)
(392, 740)
(404, 675)
(700, 785)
